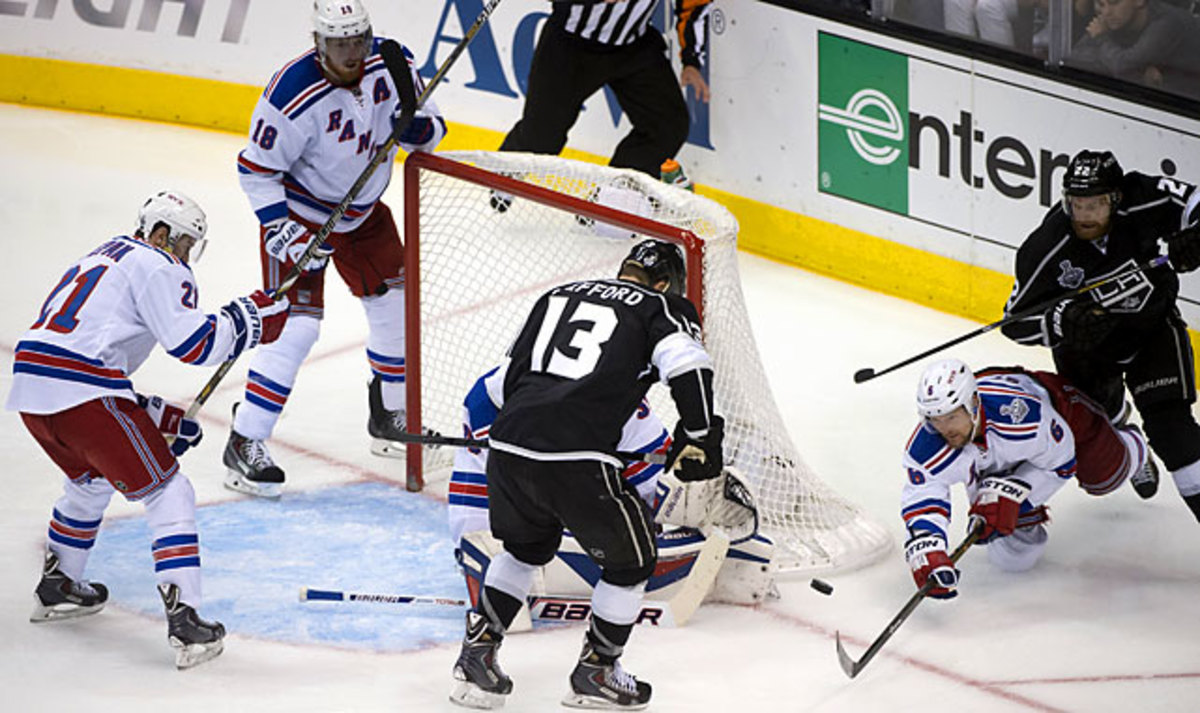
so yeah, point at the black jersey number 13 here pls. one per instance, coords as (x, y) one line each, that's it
(586, 340)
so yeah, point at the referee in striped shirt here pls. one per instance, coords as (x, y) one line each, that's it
(586, 45)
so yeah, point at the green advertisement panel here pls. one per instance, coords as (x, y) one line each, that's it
(862, 135)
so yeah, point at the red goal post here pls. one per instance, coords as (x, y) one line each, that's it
(474, 272)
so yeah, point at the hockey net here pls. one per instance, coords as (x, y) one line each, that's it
(475, 271)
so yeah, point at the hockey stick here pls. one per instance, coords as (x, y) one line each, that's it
(397, 67)
(439, 440)
(542, 607)
(867, 374)
(852, 667)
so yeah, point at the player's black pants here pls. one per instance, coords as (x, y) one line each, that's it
(566, 71)
(530, 502)
(1161, 378)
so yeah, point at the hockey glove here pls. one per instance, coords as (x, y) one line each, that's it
(257, 319)
(286, 240)
(1080, 324)
(929, 561)
(697, 458)
(1183, 249)
(170, 421)
(418, 132)
(997, 505)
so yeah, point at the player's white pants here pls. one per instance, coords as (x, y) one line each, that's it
(273, 370)
(75, 522)
(170, 512)
(1019, 551)
(385, 344)
(175, 544)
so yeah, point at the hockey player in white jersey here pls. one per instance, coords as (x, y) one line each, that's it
(316, 127)
(1012, 438)
(71, 386)
(689, 509)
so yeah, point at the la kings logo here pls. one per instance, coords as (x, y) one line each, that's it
(1126, 295)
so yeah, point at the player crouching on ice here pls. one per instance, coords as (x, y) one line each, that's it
(694, 509)
(71, 385)
(1013, 438)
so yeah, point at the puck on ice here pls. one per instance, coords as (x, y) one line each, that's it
(821, 586)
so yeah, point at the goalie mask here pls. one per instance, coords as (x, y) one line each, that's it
(181, 216)
(343, 36)
(659, 260)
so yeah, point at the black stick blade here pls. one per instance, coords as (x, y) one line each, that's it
(863, 375)
(848, 664)
(397, 66)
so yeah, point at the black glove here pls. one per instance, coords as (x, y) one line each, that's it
(1183, 249)
(1080, 324)
(698, 458)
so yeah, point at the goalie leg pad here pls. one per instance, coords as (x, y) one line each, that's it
(747, 575)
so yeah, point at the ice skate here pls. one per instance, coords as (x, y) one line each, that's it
(595, 684)
(1145, 480)
(60, 597)
(387, 428)
(250, 468)
(194, 639)
(479, 682)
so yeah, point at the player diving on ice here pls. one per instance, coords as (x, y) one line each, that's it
(691, 510)
(71, 385)
(1012, 438)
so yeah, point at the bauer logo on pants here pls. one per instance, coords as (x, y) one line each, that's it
(862, 146)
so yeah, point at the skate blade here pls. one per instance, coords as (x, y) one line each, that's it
(58, 612)
(189, 655)
(580, 700)
(469, 695)
(235, 481)
(387, 449)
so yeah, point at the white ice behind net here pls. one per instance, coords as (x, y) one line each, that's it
(481, 271)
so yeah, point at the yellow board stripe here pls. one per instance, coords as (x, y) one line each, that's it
(791, 238)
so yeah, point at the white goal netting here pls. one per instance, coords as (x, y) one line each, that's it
(480, 270)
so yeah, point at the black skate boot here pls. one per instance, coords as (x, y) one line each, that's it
(194, 639)
(250, 468)
(1145, 481)
(387, 428)
(598, 682)
(479, 681)
(60, 597)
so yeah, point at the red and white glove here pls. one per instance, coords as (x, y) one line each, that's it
(286, 240)
(169, 419)
(257, 319)
(928, 560)
(996, 507)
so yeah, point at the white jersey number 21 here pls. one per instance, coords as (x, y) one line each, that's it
(548, 358)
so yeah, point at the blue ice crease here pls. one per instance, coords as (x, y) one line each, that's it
(256, 554)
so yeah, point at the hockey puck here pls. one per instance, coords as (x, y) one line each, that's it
(821, 586)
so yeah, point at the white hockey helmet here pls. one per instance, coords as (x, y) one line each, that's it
(946, 385)
(181, 216)
(340, 18)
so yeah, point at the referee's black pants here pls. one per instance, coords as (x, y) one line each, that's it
(566, 71)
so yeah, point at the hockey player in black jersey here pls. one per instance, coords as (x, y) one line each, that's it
(587, 354)
(1128, 333)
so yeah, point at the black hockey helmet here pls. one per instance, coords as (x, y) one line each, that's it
(1092, 173)
(659, 260)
